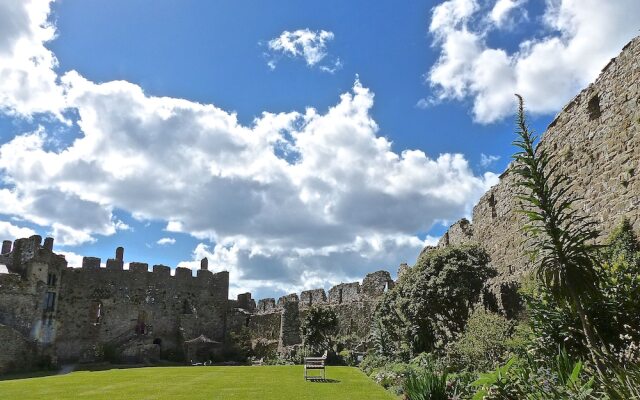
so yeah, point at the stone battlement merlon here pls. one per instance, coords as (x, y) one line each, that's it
(92, 264)
(18, 253)
(373, 286)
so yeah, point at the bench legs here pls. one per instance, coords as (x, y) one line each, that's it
(307, 376)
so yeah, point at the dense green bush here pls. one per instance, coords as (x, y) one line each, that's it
(431, 303)
(484, 343)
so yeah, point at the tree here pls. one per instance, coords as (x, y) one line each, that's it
(563, 241)
(430, 305)
(318, 328)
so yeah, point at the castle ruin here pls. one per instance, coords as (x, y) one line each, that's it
(51, 312)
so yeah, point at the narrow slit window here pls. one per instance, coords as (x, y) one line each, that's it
(50, 302)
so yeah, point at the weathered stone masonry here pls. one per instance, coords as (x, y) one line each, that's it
(68, 314)
(278, 323)
(49, 311)
(596, 137)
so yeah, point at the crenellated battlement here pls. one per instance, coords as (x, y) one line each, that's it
(90, 264)
(373, 286)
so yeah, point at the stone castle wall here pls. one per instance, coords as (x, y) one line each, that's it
(52, 313)
(114, 307)
(64, 314)
(353, 303)
(596, 138)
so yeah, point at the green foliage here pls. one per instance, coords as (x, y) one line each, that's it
(431, 304)
(483, 344)
(576, 279)
(348, 357)
(620, 382)
(238, 346)
(318, 328)
(426, 385)
(265, 349)
(531, 379)
(620, 287)
(380, 339)
(393, 375)
(373, 361)
(562, 240)
(615, 312)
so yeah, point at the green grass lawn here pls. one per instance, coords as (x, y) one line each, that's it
(256, 383)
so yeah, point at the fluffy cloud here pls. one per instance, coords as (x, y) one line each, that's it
(578, 39)
(502, 10)
(74, 260)
(310, 45)
(28, 83)
(8, 231)
(487, 160)
(290, 201)
(268, 270)
(166, 241)
(344, 204)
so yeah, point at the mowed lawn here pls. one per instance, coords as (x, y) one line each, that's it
(233, 383)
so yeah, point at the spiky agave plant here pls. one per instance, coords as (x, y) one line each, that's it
(562, 241)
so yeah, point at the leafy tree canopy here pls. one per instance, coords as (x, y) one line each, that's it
(318, 328)
(431, 302)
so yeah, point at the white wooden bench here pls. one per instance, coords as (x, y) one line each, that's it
(315, 363)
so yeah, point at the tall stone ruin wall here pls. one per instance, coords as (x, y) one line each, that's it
(596, 138)
(115, 307)
(66, 314)
(354, 303)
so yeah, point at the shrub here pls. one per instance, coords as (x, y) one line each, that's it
(563, 378)
(431, 304)
(615, 311)
(318, 328)
(483, 344)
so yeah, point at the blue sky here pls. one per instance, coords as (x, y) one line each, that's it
(384, 123)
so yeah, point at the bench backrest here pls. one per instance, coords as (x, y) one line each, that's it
(316, 361)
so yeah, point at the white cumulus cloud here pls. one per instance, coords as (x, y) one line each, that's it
(9, 231)
(166, 241)
(576, 40)
(28, 83)
(307, 44)
(487, 160)
(502, 11)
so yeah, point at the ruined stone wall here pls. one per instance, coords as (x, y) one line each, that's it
(596, 138)
(19, 300)
(353, 303)
(114, 307)
(459, 233)
(28, 302)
